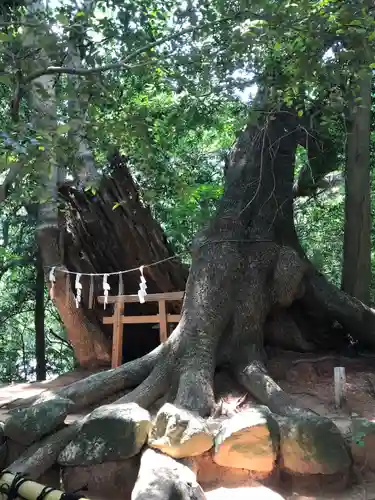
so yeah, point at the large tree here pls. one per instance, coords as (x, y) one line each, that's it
(250, 282)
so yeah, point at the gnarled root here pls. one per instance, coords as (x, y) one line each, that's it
(357, 318)
(254, 377)
(40, 456)
(100, 385)
(164, 478)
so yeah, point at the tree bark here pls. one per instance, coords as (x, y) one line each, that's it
(39, 457)
(40, 339)
(356, 272)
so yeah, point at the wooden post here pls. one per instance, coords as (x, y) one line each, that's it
(163, 321)
(117, 340)
(340, 385)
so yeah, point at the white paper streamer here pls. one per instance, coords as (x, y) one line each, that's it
(78, 287)
(106, 289)
(142, 287)
(52, 279)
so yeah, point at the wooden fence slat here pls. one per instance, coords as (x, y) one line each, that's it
(133, 320)
(173, 318)
(152, 297)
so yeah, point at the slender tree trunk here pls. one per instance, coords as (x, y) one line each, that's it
(356, 273)
(91, 346)
(40, 346)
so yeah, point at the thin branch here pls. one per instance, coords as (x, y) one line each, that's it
(124, 62)
(61, 339)
(4, 24)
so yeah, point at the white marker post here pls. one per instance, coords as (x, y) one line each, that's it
(340, 385)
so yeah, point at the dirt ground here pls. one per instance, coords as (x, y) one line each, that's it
(308, 378)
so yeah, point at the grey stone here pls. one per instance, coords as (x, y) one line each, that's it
(110, 433)
(27, 425)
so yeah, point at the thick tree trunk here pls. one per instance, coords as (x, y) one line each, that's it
(356, 272)
(247, 269)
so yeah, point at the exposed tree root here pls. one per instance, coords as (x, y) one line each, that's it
(255, 379)
(282, 331)
(357, 318)
(100, 385)
(39, 457)
(164, 478)
(152, 388)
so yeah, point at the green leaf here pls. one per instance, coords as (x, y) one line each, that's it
(4, 37)
(63, 129)
(62, 18)
(5, 79)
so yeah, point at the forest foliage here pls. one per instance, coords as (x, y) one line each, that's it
(170, 84)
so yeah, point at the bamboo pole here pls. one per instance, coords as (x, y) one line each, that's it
(29, 490)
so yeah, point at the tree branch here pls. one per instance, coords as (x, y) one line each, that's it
(124, 62)
(61, 339)
(9, 179)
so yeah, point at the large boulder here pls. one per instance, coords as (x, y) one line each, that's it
(179, 433)
(248, 440)
(110, 433)
(27, 425)
(312, 445)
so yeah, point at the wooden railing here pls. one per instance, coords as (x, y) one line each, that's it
(119, 319)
